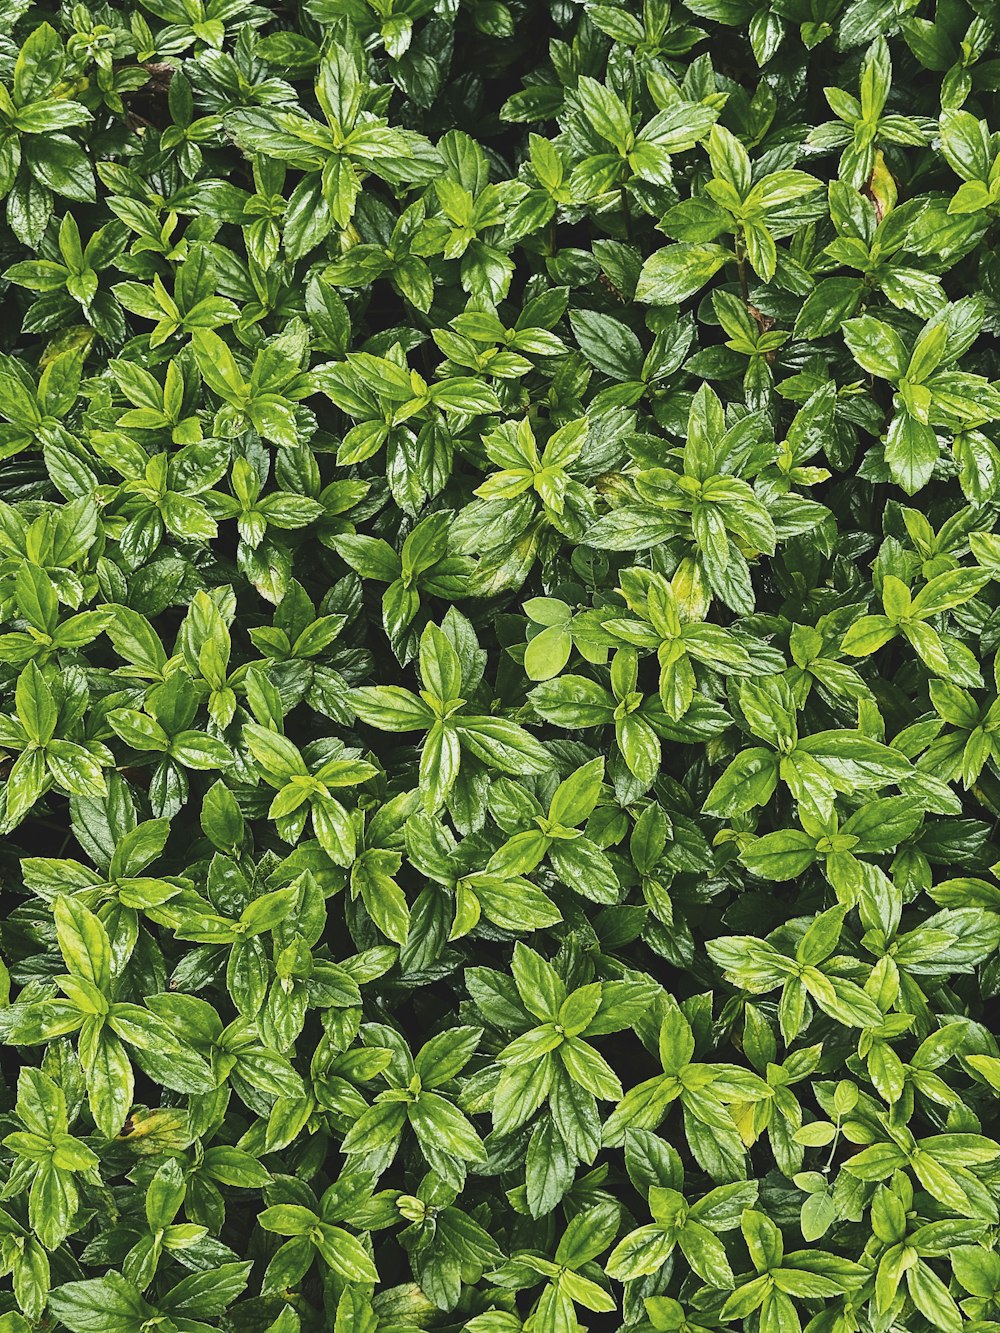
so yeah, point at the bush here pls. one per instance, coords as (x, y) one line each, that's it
(500, 738)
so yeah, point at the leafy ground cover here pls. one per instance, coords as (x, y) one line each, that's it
(499, 731)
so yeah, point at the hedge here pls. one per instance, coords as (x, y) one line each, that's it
(499, 735)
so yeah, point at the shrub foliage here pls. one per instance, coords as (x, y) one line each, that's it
(498, 671)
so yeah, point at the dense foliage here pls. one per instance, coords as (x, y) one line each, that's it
(499, 735)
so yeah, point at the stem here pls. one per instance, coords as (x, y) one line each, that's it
(833, 1147)
(742, 267)
(625, 210)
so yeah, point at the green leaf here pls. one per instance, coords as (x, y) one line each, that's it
(83, 942)
(876, 347)
(677, 272)
(101, 1305)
